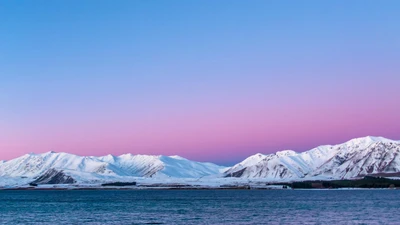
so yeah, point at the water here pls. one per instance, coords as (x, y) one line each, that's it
(200, 207)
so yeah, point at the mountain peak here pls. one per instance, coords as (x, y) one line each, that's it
(375, 138)
(368, 140)
(50, 152)
(177, 157)
(91, 168)
(286, 153)
(353, 159)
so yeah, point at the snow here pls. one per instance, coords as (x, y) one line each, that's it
(90, 169)
(363, 157)
(177, 157)
(286, 153)
(248, 162)
(353, 159)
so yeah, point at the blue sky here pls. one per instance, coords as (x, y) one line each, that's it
(224, 73)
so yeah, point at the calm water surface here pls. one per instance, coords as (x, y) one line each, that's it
(201, 207)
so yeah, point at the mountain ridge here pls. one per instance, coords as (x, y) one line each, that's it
(353, 159)
(309, 164)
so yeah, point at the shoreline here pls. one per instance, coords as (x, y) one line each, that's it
(179, 188)
(367, 183)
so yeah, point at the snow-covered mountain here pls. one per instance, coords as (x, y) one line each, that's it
(356, 158)
(283, 165)
(360, 157)
(86, 169)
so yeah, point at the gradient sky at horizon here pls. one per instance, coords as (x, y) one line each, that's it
(209, 80)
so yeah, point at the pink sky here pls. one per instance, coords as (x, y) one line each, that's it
(217, 136)
(212, 82)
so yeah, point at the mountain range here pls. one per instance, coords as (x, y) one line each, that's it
(354, 159)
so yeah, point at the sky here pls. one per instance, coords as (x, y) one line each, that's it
(207, 80)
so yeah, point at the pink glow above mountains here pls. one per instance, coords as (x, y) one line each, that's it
(212, 82)
(217, 136)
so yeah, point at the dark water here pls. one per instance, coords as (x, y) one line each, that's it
(201, 207)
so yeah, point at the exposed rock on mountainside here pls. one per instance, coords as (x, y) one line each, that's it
(53, 176)
(110, 168)
(357, 158)
(353, 159)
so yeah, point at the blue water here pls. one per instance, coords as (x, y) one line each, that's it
(200, 207)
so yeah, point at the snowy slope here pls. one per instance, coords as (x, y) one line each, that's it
(161, 166)
(361, 157)
(355, 158)
(286, 165)
(274, 167)
(31, 165)
(85, 169)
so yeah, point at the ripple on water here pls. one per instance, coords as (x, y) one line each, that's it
(200, 207)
